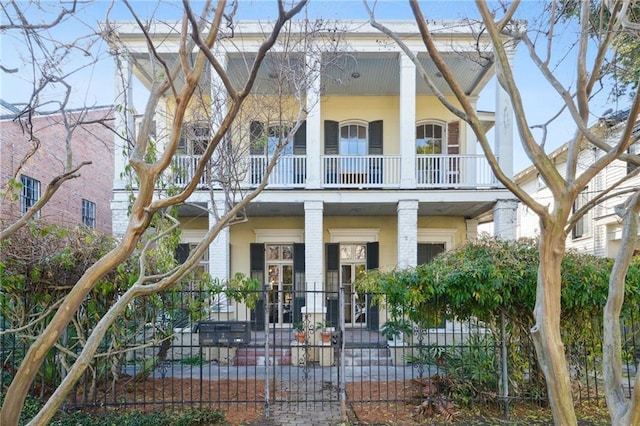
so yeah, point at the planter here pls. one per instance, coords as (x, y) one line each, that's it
(325, 336)
(299, 336)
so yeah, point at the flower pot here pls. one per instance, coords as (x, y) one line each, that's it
(325, 336)
(299, 336)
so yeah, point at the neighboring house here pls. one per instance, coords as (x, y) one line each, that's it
(380, 175)
(599, 231)
(84, 200)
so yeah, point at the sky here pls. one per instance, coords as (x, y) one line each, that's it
(93, 84)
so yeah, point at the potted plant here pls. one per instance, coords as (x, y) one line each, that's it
(298, 332)
(325, 330)
(395, 329)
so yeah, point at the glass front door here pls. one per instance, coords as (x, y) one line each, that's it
(280, 275)
(353, 263)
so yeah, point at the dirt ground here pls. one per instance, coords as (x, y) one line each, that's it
(243, 402)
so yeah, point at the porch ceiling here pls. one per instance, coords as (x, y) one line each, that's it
(351, 74)
(460, 209)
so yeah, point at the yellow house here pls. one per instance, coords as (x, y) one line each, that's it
(373, 171)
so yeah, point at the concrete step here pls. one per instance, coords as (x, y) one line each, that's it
(258, 356)
(367, 356)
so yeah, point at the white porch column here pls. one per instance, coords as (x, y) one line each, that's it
(313, 246)
(470, 149)
(504, 128)
(162, 135)
(407, 233)
(219, 254)
(407, 122)
(314, 124)
(123, 124)
(505, 219)
(472, 229)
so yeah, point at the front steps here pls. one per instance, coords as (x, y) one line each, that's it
(353, 356)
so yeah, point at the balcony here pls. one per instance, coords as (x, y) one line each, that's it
(345, 171)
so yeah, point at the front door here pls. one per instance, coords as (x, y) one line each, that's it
(353, 263)
(279, 265)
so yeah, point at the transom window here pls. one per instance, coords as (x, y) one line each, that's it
(353, 139)
(30, 193)
(429, 138)
(89, 214)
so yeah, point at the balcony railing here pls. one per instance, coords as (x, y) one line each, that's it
(361, 171)
(347, 171)
(453, 171)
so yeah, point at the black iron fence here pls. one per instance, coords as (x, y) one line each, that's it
(192, 347)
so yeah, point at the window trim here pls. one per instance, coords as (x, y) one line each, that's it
(353, 122)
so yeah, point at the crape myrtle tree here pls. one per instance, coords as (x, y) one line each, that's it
(50, 64)
(591, 45)
(198, 35)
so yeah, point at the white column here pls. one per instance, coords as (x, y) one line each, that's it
(314, 124)
(407, 122)
(407, 233)
(504, 129)
(505, 219)
(162, 135)
(313, 246)
(123, 123)
(470, 176)
(219, 254)
(472, 229)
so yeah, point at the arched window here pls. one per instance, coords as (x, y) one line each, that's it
(430, 138)
(353, 139)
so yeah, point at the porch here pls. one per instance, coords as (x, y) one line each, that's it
(436, 171)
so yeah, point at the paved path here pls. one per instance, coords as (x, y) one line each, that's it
(298, 404)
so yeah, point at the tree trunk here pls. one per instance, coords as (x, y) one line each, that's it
(546, 331)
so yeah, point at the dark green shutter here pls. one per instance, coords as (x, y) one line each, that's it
(375, 137)
(373, 261)
(331, 137)
(299, 286)
(427, 251)
(300, 140)
(256, 130)
(256, 267)
(332, 259)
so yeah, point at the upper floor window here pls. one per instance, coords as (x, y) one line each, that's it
(194, 139)
(353, 139)
(430, 138)
(89, 213)
(30, 193)
(583, 225)
(633, 150)
(266, 139)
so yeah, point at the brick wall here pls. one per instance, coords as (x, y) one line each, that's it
(90, 142)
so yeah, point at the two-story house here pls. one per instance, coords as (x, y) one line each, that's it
(599, 231)
(379, 175)
(33, 154)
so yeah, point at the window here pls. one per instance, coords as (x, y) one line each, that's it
(353, 140)
(194, 139)
(583, 225)
(633, 150)
(89, 214)
(429, 138)
(30, 193)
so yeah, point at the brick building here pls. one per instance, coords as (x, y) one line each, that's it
(83, 200)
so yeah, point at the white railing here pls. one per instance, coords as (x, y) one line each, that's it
(361, 171)
(453, 171)
(289, 172)
(348, 171)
